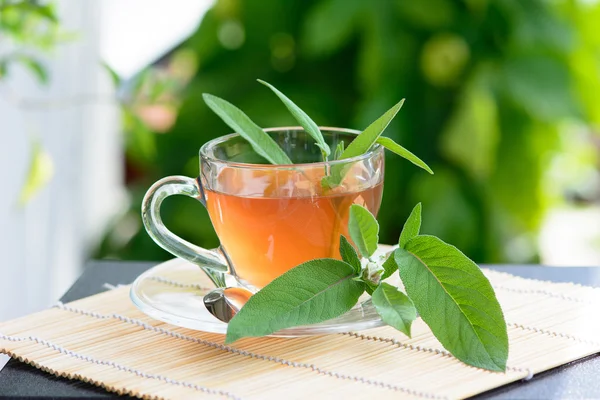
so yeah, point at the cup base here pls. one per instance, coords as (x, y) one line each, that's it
(173, 292)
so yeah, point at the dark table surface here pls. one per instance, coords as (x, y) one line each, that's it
(575, 380)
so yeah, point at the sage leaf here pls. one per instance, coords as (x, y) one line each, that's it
(303, 119)
(360, 145)
(367, 138)
(402, 152)
(394, 307)
(456, 300)
(363, 229)
(312, 292)
(260, 141)
(349, 254)
(411, 226)
(389, 267)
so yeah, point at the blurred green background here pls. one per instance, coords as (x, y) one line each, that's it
(501, 101)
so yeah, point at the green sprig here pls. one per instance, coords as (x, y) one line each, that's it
(266, 147)
(448, 290)
(444, 286)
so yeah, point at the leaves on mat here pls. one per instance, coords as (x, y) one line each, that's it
(456, 300)
(312, 292)
(394, 307)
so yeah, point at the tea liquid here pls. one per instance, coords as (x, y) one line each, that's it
(266, 236)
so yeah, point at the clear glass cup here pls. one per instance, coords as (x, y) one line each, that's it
(269, 218)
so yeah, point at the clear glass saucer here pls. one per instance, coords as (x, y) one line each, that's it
(173, 292)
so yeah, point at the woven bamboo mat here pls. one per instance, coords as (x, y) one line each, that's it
(105, 340)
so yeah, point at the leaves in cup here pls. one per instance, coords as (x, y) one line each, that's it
(402, 152)
(456, 300)
(303, 119)
(360, 145)
(349, 254)
(365, 141)
(367, 138)
(363, 229)
(312, 292)
(394, 307)
(260, 141)
(411, 226)
(266, 147)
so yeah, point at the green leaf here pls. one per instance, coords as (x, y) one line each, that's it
(367, 138)
(363, 229)
(456, 300)
(362, 143)
(41, 169)
(389, 267)
(402, 152)
(394, 307)
(349, 254)
(260, 141)
(312, 292)
(303, 119)
(411, 226)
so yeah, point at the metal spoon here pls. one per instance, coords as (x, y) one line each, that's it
(224, 303)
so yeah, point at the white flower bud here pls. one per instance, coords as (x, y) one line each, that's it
(372, 271)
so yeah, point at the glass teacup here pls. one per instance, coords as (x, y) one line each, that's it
(269, 218)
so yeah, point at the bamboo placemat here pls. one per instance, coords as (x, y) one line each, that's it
(105, 340)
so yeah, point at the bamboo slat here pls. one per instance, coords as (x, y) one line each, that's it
(105, 340)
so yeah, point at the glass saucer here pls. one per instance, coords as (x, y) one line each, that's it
(173, 292)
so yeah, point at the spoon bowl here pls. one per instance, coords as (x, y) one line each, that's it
(224, 303)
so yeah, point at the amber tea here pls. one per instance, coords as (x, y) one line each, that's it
(266, 236)
(270, 218)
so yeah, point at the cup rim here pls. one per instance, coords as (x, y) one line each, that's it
(377, 148)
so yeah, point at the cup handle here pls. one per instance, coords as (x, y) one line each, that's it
(211, 262)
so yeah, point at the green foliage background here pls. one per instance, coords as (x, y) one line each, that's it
(490, 86)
